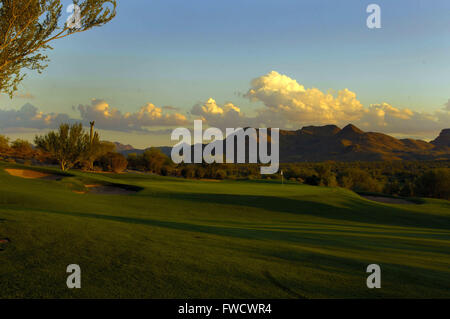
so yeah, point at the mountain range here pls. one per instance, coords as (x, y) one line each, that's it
(329, 142)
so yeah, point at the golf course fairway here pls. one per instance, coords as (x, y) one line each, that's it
(165, 237)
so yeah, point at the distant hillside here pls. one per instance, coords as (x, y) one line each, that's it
(443, 140)
(322, 143)
(128, 149)
(329, 142)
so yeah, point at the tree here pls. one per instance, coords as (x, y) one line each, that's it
(28, 26)
(434, 183)
(135, 161)
(96, 149)
(69, 145)
(221, 174)
(4, 143)
(114, 162)
(22, 147)
(154, 159)
(359, 180)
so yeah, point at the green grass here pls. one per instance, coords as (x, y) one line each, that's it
(233, 239)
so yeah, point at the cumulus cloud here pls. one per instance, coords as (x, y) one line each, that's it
(110, 118)
(288, 101)
(30, 117)
(220, 115)
(386, 118)
(289, 105)
(284, 103)
(146, 119)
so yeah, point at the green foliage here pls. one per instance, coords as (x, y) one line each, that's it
(200, 172)
(22, 147)
(325, 176)
(188, 171)
(221, 174)
(69, 145)
(434, 183)
(96, 150)
(27, 28)
(113, 162)
(359, 180)
(4, 143)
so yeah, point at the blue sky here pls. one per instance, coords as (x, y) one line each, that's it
(181, 53)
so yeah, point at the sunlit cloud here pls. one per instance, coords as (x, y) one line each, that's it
(226, 115)
(289, 102)
(283, 103)
(110, 118)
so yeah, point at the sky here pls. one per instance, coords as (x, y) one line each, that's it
(161, 64)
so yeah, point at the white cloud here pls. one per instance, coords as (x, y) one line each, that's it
(286, 104)
(110, 118)
(293, 105)
(386, 118)
(222, 116)
(289, 104)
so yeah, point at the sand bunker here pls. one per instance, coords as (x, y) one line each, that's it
(388, 200)
(28, 173)
(109, 189)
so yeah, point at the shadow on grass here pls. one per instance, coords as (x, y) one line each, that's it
(357, 210)
(275, 282)
(325, 239)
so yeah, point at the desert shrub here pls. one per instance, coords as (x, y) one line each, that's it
(312, 180)
(188, 172)
(392, 188)
(407, 189)
(220, 174)
(199, 172)
(359, 180)
(154, 159)
(165, 170)
(434, 183)
(118, 163)
(113, 162)
(292, 172)
(135, 161)
(325, 175)
(4, 143)
(22, 147)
